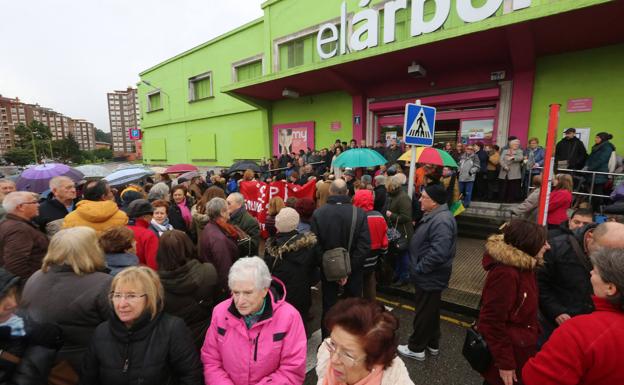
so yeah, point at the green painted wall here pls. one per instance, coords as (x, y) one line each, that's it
(595, 73)
(323, 109)
(191, 130)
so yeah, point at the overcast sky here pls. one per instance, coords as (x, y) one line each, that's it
(67, 54)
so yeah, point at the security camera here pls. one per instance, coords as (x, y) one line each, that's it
(416, 71)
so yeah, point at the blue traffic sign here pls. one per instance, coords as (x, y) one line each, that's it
(419, 127)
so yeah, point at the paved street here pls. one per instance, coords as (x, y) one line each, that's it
(449, 368)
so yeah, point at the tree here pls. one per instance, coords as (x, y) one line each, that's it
(19, 156)
(103, 153)
(67, 148)
(101, 136)
(35, 136)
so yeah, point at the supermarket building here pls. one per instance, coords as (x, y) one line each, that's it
(310, 72)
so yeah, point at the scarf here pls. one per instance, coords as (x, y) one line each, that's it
(227, 228)
(373, 378)
(161, 228)
(16, 323)
(186, 213)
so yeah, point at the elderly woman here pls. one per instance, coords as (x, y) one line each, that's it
(140, 344)
(508, 316)
(510, 175)
(189, 284)
(587, 349)
(180, 210)
(399, 217)
(158, 191)
(71, 290)
(362, 346)
(218, 240)
(255, 337)
(198, 211)
(119, 247)
(160, 219)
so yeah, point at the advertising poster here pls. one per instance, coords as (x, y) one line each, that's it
(389, 136)
(473, 131)
(292, 137)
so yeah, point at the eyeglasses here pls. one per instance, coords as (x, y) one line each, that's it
(130, 297)
(345, 358)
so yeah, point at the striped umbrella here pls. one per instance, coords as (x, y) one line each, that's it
(430, 155)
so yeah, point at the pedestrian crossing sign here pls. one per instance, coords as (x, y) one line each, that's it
(419, 127)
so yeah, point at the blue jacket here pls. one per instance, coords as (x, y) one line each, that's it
(534, 157)
(598, 160)
(432, 250)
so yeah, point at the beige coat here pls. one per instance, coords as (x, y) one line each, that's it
(322, 192)
(511, 168)
(396, 374)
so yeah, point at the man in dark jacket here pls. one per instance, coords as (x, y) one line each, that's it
(393, 152)
(22, 245)
(241, 218)
(59, 203)
(432, 250)
(332, 226)
(381, 195)
(565, 289)
(570, 152)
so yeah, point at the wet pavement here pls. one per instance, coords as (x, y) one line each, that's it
(449, 368)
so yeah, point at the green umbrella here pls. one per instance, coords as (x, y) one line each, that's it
(359, 157)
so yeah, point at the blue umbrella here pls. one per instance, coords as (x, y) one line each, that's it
(359, 157)
(127, 175)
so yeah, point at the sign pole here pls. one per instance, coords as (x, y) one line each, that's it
(549, 162)
(412, 170)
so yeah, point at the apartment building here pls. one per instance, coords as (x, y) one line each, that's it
(84, 133)
(123, 114)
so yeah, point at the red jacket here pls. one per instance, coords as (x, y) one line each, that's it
(585, 350)
(146, 243)
(508, 315)
(559, 203)
(377, 225)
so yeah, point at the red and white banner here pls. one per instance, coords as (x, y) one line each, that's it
(258, 194)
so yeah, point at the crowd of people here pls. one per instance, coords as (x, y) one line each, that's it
(174, 281)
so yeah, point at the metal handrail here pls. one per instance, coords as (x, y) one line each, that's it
(593, 180)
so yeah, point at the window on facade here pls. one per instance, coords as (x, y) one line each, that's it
(153, 101)
(295, 53)
(249, 71)
(200, 87)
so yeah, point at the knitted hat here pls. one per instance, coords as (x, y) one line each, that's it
(437, 193)
(139, 208)
(286, 220)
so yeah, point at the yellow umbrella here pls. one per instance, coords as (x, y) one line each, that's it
(430, 155)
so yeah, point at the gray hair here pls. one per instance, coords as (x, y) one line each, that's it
(338, 187)
(250, 269)
(58, 181)
(214, 207)
(238, 197)
(394, 182)
(158, 191)
(14, 199)
(514, 142)
(609, 264)
(379, 180)
(7, 181)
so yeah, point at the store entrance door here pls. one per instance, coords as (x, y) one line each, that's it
(391, 127)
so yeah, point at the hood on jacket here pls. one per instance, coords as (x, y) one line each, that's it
(302, 241)
(96, 211)
(188, 278)
(497, 251)
(363, 199)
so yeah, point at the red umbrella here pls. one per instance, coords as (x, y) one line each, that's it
(180, 168)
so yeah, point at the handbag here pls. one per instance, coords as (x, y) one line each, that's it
(336, 261)
(476, 350)
(396, 240)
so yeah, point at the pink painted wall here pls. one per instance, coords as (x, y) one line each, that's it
(522, 96)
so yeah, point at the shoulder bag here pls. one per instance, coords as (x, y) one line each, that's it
(476, 350)
(336, 261)
(396, 240)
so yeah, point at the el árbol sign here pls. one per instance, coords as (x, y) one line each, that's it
(365, 24)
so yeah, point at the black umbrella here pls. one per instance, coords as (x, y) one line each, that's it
(244, 165)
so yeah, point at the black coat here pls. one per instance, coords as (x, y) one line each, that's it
(573, 150)
(381, 200)
(189, 294)
(332, 225)
(154, 352)
(176, 220)
(49, 211)
(292, 257)
(37, 351)
(564, 285)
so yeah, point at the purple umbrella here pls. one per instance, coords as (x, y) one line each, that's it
(37, 178)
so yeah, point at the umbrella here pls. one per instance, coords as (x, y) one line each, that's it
(180, 168)
(93, 171)
(430, 155)
(158, 170)
(244, 165)
(37, 178)
(128, 175)
(189, 175)
(359, 157)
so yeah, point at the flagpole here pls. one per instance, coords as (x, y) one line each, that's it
(412, 170)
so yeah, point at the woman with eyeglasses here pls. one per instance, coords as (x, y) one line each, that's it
(362, 346)
(71, 291)
(255, 337)
(140, 344)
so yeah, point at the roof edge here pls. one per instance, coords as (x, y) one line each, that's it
(203, 45)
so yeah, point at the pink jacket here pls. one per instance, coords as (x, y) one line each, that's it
(272, 352)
